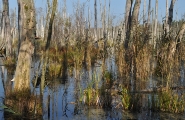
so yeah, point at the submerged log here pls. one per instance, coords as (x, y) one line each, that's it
(159, 89)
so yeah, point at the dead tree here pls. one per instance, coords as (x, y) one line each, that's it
(48, 40)
(6, 41)
(144, 12)
(27, 28)
(155, 24)
(169, 16)
(149, 12)
(127, 21)
(95, 19)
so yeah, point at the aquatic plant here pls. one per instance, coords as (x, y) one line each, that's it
(75, 54)
(91, 95)
(108, 77)
(170, 101)
(54, 69)
(7, 109)
(125, 98)
(23, 103)
(10, 61)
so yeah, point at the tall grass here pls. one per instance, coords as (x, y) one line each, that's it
(170, 101)
(23, 103)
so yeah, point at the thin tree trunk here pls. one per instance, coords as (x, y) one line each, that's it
(155, 24)
(127, 21)
(135, 15)
(144, 12)
(108, 23)
(49, 35)
(14, 27)
(166, 21)
(104, 21)
(149, 11)
(20, 22)
(134, 21)
(54, 7)
(95, 19)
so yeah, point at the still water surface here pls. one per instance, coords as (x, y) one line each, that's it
(64, 97)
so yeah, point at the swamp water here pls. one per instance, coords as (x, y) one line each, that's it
(63, 95)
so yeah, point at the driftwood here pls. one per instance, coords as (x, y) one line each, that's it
(159, 89)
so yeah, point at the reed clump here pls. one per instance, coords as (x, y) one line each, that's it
(54, 69)
(10, 62)
(24, 104)
(170, 101)
(125, 98)
(90, 96)
(108, 77)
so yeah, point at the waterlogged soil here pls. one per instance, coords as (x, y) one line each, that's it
(64, 96)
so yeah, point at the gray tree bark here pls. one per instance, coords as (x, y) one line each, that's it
(127, 21)
(149, 10)
(6, 41)
(27, 29)
(134, 20)
(134, 23)
(144, 12)
(49, 35)
(180, 33)
(166, 26)
(95, 20)
(155, 24)
(170, 17)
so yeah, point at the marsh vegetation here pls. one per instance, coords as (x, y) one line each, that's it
(72, 70)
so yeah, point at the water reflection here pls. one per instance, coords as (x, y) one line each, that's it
(61, 97)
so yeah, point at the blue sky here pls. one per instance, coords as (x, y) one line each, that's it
(117, 7)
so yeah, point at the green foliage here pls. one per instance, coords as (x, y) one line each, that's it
(91, 94)
(171, 102)
(125, 98)
(108, 77)
(76, 55)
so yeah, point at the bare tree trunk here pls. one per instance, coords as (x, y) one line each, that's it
(166, 26)
(155, 24)
(127, 21)
(133, 66)
(134, 21)
(104, 21)
(5, 29)
(27, 37)
(108, 23)
(170, 17)
(14, 27)
(149, 11)
(95, 19)
(180, 33)
(51, 23)
(49, 35)
(20, 23)
(144, 12)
